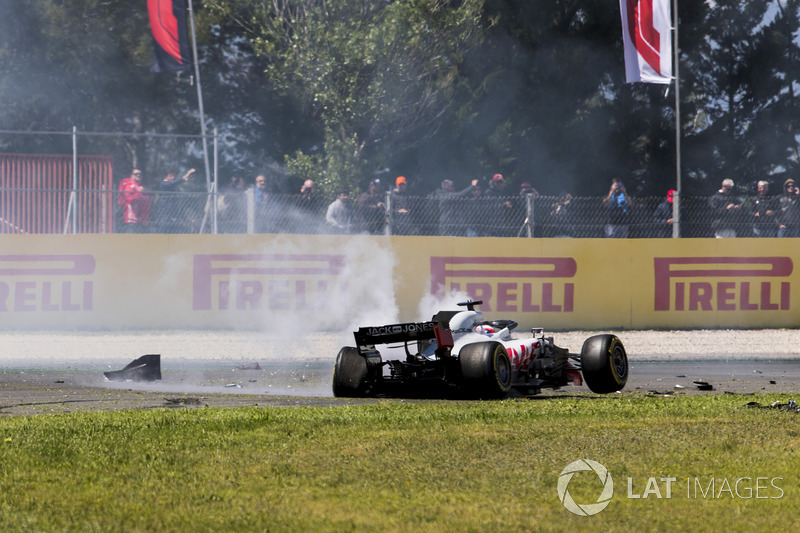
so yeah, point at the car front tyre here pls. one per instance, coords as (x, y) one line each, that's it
(604, 363)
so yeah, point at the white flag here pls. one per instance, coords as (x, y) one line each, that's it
(647, 37)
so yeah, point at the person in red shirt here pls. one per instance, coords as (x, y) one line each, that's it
(135, 203)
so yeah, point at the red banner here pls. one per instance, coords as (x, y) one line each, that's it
(170, 34)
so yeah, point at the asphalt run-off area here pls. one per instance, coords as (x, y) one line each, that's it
(52, 372)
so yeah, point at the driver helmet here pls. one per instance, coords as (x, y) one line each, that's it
(484, 329)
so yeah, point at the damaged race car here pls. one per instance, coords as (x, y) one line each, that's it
(459, 354)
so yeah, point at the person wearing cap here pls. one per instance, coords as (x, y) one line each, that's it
(500, 208)
(763, 209)
(727, 210)
(789, 210)
(371, 209)
(401, 209)
(526, 188)
(662, 216)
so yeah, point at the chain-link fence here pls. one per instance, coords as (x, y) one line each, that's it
(528, 216)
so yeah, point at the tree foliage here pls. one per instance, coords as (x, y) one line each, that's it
(343, 90)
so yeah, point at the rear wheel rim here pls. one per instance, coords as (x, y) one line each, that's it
(619, 362)
(503, 370)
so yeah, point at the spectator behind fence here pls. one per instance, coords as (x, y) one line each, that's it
(449, 212)
(726, 208)
(401, 208)
(500, 208)
(231, 207)
(789, 205)
(338, 217)
(662, 216)
(265, 206)
(764, 208)
(168, 206)
(135, 203)
(302, 212)
(618, 205)
(561, 217)
(371, 209)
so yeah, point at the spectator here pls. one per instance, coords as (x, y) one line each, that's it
(372, 209)
(302, 209)
(526, 188)
(169, 204)
(401, 208)
(135, 204)
(264, 206)
(231, 207)
(561, 217)
(307, 190)
(618, 205)
(500, 206)
(727, 211)
(449, 219)
(662, 216)
(789, 205)
(764, 208)
(121, 199)
(338, 217)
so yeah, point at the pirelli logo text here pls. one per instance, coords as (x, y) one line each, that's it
(46, 283)
(722, 283)
(510, 284)
(281, 282)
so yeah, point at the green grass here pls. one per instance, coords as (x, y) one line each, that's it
(403, 466)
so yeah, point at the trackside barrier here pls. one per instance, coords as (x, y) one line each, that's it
(335, 282)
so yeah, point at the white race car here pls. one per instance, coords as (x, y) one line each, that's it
(458, 354)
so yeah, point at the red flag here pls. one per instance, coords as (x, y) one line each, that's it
(647, 38)
(171, 38)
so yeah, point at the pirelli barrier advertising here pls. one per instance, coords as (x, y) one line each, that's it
(312, 282)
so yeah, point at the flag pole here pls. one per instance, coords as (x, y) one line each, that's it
(677, 197)
(200, 97)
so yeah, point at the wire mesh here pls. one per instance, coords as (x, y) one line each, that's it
(528, 216)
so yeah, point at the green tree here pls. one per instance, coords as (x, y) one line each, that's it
(739, 76)
(375, 76)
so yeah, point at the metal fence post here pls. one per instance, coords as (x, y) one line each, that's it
(250, 201)
(216, 183)
(387, 225)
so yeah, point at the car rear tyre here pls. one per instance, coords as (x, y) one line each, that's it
(486, 369)
(350, 374)
(604, 364)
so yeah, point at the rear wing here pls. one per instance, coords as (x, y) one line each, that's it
(367, 337)
(409, 331)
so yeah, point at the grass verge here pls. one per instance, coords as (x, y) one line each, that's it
(406, 466)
